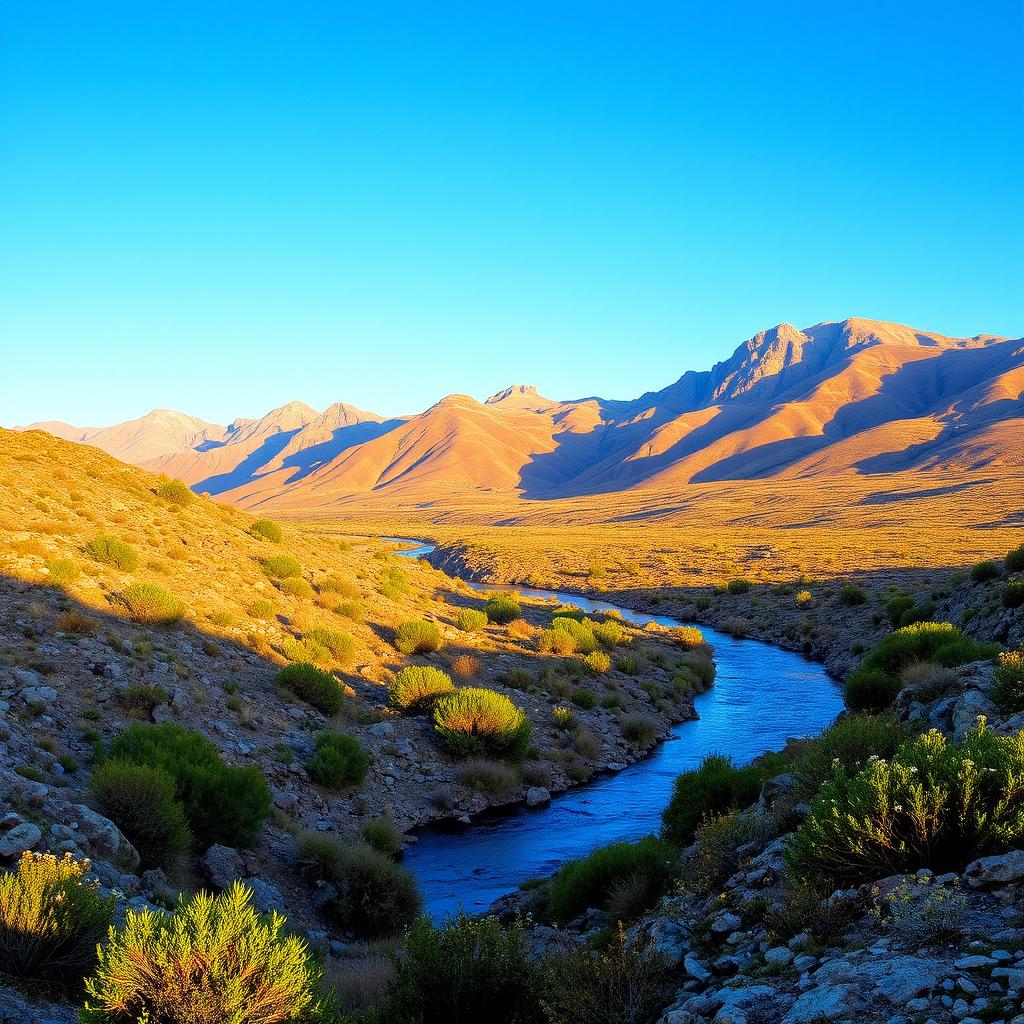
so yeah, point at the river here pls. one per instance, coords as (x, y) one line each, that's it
(762, 696)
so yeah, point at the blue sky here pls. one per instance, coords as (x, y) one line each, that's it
(220, 207)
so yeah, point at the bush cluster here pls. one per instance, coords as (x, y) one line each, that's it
(416, 687)
(266, 529)
(51, 919)
(1008, 690)
(375, 897)
(592, 880)
(1015, 559)
(113, 551)
(1013, 594)
(851, 594)
(471, 620)
(417, 636)
(146, 602)
(281, 567)
(340, 645)
(474, 722)
(937, 804)
(175, 492)
(987, 570)
(63, 571)
(502, 609)
(873, 685)
(313, 685)
(222, 803)
(338, 761)
(215, 959)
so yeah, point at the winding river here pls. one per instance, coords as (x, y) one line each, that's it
(762, 696)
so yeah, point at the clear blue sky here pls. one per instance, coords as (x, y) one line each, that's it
(220, 207)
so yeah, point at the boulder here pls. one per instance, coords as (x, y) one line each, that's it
(14, 843)
(823, 1002)
(265, 895)
(537, 796)
(1001, 869)
(222, 865)
(104, 838)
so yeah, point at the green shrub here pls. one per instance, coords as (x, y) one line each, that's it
(871, 690)
(417, 636)
(143, 697)
(146, 602)
(689, 637)
(485, 776)
(383, 835)
(472, 721)
(375, 896)
(281, 567)
(1015, 560)
(581, 630)
(342, 645)
(1008, 689)
(896, 606)
(640, 730)
(502, 609)
(1013, 594)
(261, 608)
(585, 699)
(416, 687)
(469, 969)
(715, 787)
(717, 841)
(848, 742)
(266, 529)
(313, 685)
(563, 717)
(983, 571)
(295, 586)
(339, 761)
(851, 594)
(306, 652)
(698, 662)
(63, 572)
(471, 620)
(738, 586)
(588, 882)
(222, 803)
(113, 551)
(627, 983)
(174, 492)
(142, 802)
(51, 920)
(598, 662)
(215, 959)
(609, 633)
(336, 585)
(935, 804)
(556, 641)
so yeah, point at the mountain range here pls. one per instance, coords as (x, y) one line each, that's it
(849, 397)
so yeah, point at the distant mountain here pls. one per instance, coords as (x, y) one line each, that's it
(856, 396)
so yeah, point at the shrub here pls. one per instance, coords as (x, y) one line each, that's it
(871, 690)
(1008, 689)
(923, 914)
(488, 776)
(143, 697)
(339, 761)
(146, 602)
(851, 594)
(266, 529)
(609, 633)
(472, 721)
(738, 586)
(1013, 594)
(629, 664)
(804, 597)
(689, 637)
(295, 586)
(336, 585)
(63, 572)
(598, 662)
(582, 631)
(261, 608)
(215, 959)
(306, 652)
(471, 620)
(313, 685)
(51, 920)
(466, 666)
(640, 730)
(416, 687)
(563, 717)
(375, 896)
(142, 802)
(1015, 560)
(383, 835)
(502, 609)
(281, 567)
(715, 787)
(700, 664)
(416, 636)
(222, 803)
(174, 492)
(936, 804)
(587, 882)
(585, 699)
(585, 743)
(556, 641)
(983, 571)
(113, 551)
(342, 645)
(469, 969)
(849, 742)
(624, 984)
(77, 623)
(717, 841)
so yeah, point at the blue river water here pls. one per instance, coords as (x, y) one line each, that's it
(762, 696)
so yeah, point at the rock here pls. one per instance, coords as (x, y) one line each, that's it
(25, 676)
(19, 839)
(669, 938)
(222, 865)
(181, 700)
(1000, 869)
(779, 787)
(824, 1002)
(285, 799)
(162, 713)
(779, 956)
(696, 969)
(38, 695)
(105, 838)
(537, 796)
(265, 895)
(725, 923)
(973, 963)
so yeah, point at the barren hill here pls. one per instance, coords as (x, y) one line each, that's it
(842, 398)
